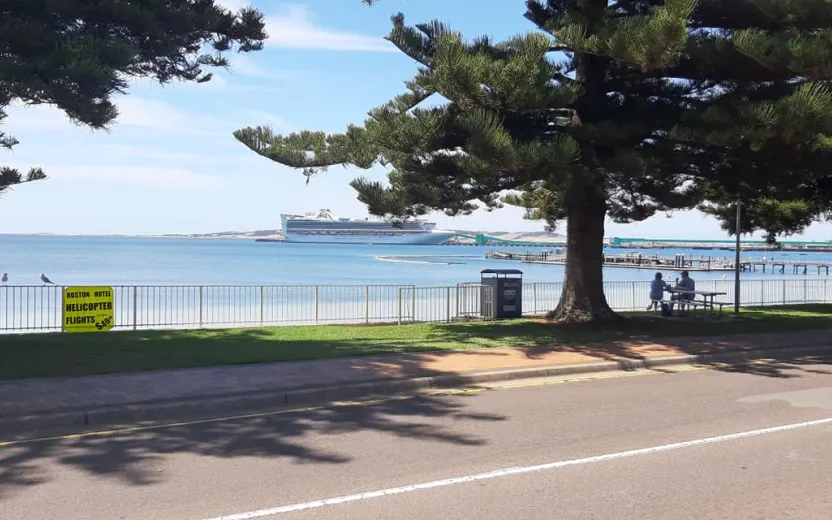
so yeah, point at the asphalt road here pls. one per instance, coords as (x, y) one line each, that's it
(629, 447)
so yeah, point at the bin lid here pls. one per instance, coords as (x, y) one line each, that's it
(501, 271)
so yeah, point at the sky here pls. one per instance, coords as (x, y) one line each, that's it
(170, 164)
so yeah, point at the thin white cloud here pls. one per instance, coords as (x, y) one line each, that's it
(296, 30)
(35, 118)
(155, 177)
(246, 65)
(268, 118)
(222, 81)
(114, 152)
(242, 64)
(149, 113)
(133, 112)
(159, 115)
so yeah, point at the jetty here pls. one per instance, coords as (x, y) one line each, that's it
(676, 262)
(784, 266)
(625, 261)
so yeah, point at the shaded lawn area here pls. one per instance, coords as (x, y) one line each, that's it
(56, 355)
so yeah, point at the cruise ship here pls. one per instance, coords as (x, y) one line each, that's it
(324, 227)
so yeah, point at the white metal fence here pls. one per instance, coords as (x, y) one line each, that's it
(38, 308)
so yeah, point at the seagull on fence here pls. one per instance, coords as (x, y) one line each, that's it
(5, 278)
(44, 279)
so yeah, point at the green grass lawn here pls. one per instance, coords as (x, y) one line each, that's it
(53, 355)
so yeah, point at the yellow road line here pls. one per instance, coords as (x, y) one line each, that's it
(367, 402)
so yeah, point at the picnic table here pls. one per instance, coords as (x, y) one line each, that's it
(707, 300)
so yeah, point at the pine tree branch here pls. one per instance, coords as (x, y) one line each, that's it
(650, 41)
(10, 177)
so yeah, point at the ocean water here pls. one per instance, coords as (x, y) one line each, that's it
(174, 261)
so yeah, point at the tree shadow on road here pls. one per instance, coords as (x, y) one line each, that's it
(640, 338)
(302, 437)
(134, 458)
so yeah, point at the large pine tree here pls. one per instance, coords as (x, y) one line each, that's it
(615, 109)
(76, 54)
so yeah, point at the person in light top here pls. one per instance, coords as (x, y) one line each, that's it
(687, 284)
(657, 289)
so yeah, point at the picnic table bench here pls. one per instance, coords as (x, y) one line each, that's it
(707, 302)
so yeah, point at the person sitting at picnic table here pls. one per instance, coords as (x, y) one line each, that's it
(657, 289)
(685, 284)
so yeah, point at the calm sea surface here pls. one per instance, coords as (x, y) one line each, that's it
(171, 261)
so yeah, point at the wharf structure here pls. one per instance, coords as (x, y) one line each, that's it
(678, 262)
(482, 239)
(725, 245)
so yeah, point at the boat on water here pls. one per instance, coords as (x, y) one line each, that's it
(324, 227)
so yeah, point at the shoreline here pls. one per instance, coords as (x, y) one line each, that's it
(265, 237)
(251, 235)
(240, 236)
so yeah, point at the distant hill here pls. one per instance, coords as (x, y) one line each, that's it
(260, 233)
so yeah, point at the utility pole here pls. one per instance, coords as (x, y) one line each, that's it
(737, 258)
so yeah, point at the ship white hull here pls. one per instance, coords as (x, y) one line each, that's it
(413, 239)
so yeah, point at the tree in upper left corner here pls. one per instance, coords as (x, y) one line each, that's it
(76, 54)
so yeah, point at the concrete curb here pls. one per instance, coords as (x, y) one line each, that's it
(76, 420)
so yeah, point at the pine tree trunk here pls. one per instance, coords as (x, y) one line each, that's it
(582, 299)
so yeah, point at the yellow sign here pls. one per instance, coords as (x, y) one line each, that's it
(88, 309)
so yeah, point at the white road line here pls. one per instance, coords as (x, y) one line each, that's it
(515, 471)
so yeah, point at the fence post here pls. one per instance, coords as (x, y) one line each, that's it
(413, 304)
(784, 292)
(200, 306)
(633, 296)
(534, 299)
(484, 297)
(261, 305)
(366, 304)
(400, 306)
(805, 290)
(824, 290)
(448, 303)
(762, 292)
(316, 304)
(135, 308)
